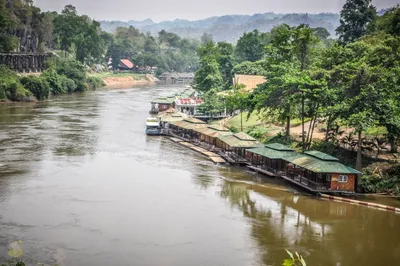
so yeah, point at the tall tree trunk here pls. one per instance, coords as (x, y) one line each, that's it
(241, 120)
(392, 142)
(328, 125)
(359, 152)
(312, 132)
(309, 130)
(302, 122)
(288, 121)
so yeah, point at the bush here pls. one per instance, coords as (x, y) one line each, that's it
(68, 84)
(282, 139)
(11, 87)
(257, 132)
(55, 82)
(74, 70)
(3, 96)
(95, 83)
(381, 178)
(38, 86)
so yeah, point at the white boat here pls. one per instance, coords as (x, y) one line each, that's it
(153, 126)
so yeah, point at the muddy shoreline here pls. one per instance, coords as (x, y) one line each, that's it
(128, 82)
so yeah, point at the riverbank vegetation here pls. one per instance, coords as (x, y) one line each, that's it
(80, 46)
(341, 90)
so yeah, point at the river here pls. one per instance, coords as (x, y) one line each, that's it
(81, 184)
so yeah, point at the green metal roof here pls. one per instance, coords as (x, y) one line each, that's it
(278, 147)
(210, 132)
(164, 100)
(218, 128)
(188, 125)
(270, 153)
(244, 136)
(319, 166)
(194, 120)
(321, 155)
(236, 142)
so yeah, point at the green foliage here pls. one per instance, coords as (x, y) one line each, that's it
(72, 69)
(7, 43)
(251, 46)
(226, 62)
(95, 82)
(355, 18)
(379, 178)
(294, 260)
(388, 22)
(212, 105)
(55, 82)
(37, 85)
(280, 138)
(11, 87)
(250, 68)
(81, 33)
(257, 132)
(208, 76)
(14, 263)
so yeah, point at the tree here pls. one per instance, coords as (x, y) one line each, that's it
(304, 39)
(47, 30)
(250, 46)
(116, 52)
(388, 22)
(80, 32)
(226, 61)
(169, 38)
(250, 68)
(277, 98)
(321, 33)
(355, 17)
(206, 38)
(212, 105)
(208, 76)
(237, 99)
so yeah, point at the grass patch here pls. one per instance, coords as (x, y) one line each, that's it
(297, 121)
(376, 131)
(254, 120)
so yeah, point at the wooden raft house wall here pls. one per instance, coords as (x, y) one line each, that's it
(269, 158)
(186, 127)
(314, 170)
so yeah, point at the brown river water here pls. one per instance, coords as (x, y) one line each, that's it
(81, 184)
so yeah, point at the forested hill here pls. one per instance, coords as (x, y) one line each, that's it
(231, 27)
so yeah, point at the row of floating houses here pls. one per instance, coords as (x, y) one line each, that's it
(314, 171)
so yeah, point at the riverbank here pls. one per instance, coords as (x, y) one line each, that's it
(125, 80)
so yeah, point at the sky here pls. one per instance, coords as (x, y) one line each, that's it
(160, 10)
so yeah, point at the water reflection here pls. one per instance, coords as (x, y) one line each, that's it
(325, 232)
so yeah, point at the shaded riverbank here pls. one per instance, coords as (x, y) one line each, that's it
(81, 184)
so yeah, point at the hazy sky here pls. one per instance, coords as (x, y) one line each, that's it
(159, 10)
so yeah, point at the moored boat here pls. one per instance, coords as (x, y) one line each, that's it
(153, 126)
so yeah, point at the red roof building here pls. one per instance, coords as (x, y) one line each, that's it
(126, 64)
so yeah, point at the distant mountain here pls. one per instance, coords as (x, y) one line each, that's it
(230, 27)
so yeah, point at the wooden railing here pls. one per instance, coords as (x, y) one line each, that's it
(307, 182)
